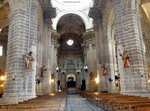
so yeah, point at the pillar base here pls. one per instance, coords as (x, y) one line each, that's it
(15, 100)
(8, 100)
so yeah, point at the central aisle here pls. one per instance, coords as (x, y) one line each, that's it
(77, 103)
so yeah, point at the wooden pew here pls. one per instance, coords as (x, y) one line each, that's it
(55, 102)
(117, 102)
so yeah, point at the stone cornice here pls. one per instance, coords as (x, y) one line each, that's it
(49, 13)
(95, 14)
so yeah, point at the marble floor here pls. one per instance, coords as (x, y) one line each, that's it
(77, 103)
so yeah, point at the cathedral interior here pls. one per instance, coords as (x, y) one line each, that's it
(93, 49)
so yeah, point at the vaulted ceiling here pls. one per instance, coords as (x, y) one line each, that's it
(70, 26)
(71, 23)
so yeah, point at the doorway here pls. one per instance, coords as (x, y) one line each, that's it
(71, 81)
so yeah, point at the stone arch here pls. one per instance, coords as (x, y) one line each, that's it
(110, 26)
(86, 20)
(71, 23)
(108, 18)
(145, 24)
(70, 75)
(144, 1)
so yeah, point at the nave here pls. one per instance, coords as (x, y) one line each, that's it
(98, 46)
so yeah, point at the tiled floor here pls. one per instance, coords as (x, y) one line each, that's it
(77, 103)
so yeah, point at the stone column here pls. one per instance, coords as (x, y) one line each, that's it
(89, 61)
(46, 80)
(110, 64)
(129, 37)
(100, 47)
(54, 64)
(22, 38)
(90, 57)
(52, 59)
(86, 73)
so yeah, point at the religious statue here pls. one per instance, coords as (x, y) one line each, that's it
(29, 60)
(104, 70)
(43, 70)
(91, 76)
(125, 58)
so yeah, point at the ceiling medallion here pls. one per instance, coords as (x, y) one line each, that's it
(70, 42)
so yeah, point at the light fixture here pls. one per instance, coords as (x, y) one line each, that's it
(86, 68)
(0, 30)
(70, 42)
(52, 80)
(2, 78)
(57, 68)
(149, 81)
(52, 94)
(2, 85)
(96, 80)
(96, 93)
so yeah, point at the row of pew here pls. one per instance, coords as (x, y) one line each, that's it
(117, 102)
(50, 102)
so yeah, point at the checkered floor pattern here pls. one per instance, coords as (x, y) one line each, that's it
(77, 103)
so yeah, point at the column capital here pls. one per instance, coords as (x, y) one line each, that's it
(95, 14)
(49, 14)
